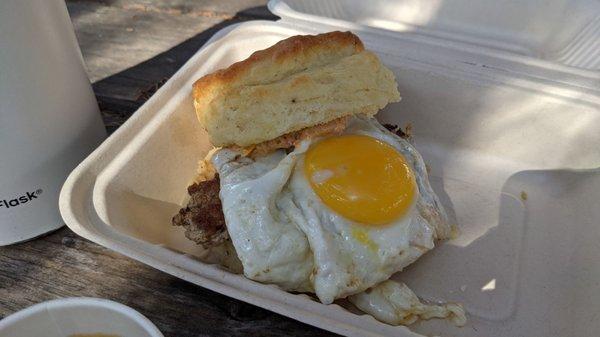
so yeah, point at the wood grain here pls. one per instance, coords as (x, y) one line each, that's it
(130, 49)
(64, 265)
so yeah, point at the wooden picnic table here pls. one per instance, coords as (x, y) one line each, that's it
(130, 49)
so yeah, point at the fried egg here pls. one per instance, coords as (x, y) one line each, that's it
(336, 216)
(394, 303)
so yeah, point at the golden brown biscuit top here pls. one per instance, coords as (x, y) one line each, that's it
(298, 51)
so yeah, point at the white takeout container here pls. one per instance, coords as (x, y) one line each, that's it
(78, 316)
(510, 130)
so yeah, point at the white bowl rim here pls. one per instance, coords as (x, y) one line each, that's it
(122, 309)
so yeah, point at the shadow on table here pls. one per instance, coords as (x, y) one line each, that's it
(192, 310)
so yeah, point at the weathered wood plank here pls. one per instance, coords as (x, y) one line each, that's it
(131, 46)
(63, 265)
(123, 34)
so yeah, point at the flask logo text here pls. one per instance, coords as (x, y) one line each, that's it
(20, 200)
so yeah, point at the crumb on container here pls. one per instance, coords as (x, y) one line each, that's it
(408, 130)
(523, 195)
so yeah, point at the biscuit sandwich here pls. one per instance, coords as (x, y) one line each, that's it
(305, 186)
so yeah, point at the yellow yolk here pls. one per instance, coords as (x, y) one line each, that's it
(361, 178)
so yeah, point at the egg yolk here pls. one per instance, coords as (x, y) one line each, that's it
(361, 178)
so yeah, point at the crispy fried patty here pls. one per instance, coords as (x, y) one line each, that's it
(203, 218)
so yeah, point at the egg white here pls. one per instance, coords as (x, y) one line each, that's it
(394, 303)
(253, 194)
(284, 234)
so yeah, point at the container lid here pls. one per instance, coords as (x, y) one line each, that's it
(559, 31)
